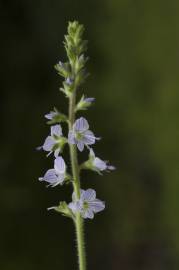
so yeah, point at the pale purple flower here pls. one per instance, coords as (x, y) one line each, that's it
(87, 205)
(51, 115)
(98, 164)
(52, 141)
(81, 135)
(56, 175)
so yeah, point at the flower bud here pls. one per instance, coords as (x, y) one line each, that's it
(84, 103)
(55, 117)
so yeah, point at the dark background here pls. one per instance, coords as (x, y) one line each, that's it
(134, 55)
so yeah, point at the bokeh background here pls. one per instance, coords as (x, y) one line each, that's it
(134, 61)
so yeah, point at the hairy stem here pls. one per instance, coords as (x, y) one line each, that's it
(76, 185)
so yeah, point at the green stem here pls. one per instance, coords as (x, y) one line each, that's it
(76, 185)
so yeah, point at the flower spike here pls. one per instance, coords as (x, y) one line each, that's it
(84, 204)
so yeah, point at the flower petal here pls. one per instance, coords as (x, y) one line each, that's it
(88, 214)
(88, 137)
(81, 124)
(50, 115)
(99, 164)
(48, 144)
(56, 130)
(74, 206)
(89, 99)
(74, 198)
(59, 165)
(96, 205)
(89, 195)
(80, 146)
(111, 168)
(50, 176)
(61, 177)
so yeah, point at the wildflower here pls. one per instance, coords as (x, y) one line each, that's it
(55, 141)
(97, 164)
(56, 175)
(81, 135)
(87, 205)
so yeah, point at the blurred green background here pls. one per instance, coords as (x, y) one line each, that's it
(134, 61)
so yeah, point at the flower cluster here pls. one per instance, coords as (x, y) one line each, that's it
(79, 137)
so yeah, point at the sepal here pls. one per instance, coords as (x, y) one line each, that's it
(63, 209)
(68, 179)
